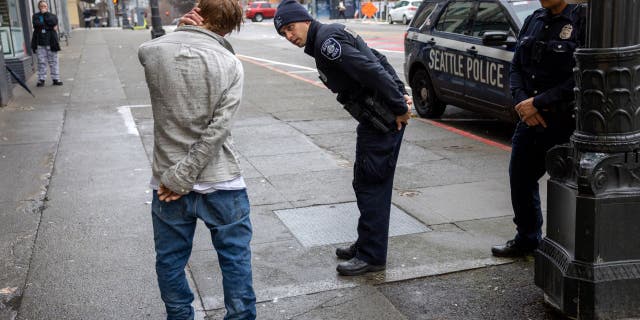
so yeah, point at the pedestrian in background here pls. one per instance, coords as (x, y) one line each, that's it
(195, 84)
(341, 10)
(87, 17)
(542, 83)
(45, 43)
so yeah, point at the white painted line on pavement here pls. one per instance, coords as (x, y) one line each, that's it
(277, 62)
(303, 71)
(125, 111)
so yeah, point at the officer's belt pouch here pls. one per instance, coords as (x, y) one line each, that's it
(370, 111)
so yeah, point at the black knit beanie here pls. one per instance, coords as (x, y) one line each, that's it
(290, 11)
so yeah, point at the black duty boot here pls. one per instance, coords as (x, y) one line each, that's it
(40, 83)
(346, 253)
(356, 267)
(57, 82)
(511, 250)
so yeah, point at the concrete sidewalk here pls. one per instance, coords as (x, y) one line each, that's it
(75, 228)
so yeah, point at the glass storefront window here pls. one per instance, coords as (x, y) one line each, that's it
(13, 43)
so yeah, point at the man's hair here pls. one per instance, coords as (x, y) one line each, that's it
(42, 1)
(221, 16)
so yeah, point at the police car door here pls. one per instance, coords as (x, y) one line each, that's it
(488, 67)
(448, 55)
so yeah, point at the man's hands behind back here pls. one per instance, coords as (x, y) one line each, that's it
(165, 194)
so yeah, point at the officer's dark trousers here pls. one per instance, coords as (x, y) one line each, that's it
(376, 156)
(527, 166)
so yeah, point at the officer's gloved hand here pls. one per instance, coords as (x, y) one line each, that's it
(529, 114)
(192, 18)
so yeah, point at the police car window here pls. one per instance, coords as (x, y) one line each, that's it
(423, 15)
(490, 17)
(455, 18)
(524, 8)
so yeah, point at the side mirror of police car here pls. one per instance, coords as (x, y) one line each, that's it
(497, 38)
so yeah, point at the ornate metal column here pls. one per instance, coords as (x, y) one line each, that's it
(589, 263)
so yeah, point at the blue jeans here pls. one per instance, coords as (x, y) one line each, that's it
(226, 214)
(527, 166)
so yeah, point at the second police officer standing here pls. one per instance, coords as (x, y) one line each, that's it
(542, 83)
(372, 92)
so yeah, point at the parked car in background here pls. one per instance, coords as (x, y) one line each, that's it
(260, 10)
(403, 11)
(459, 52)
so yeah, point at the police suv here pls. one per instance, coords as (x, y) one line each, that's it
(459, 52)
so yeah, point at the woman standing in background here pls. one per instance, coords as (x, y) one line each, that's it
(45, 43)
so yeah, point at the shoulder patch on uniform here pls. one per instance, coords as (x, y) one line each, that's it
(351, 32)
(331, 49)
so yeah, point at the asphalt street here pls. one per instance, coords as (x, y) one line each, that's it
(75, 228)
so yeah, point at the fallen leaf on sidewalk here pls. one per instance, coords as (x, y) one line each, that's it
(408, 193)
(8, 290)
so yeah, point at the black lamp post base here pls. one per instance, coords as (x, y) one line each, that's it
(570, 287)
(589, 263)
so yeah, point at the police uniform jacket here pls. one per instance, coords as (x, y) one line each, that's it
(543, 62)
(348, 66)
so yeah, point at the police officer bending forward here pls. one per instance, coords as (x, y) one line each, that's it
(371, 91)
(542, 82)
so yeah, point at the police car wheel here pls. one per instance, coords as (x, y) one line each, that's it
(425, 100)
(258, 18)
(389, 19)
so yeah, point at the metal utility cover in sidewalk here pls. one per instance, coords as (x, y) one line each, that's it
(337, 223)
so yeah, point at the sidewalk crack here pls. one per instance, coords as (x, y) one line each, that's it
(325, 304)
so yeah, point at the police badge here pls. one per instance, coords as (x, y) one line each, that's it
(331, 49)
(566, 32)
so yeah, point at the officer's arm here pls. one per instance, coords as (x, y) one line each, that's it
(516, 82)
(515, 79)
(556, 95)
(385, 64)
(371, 74)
